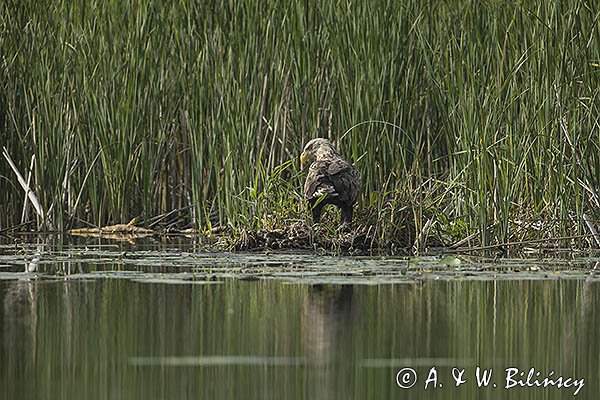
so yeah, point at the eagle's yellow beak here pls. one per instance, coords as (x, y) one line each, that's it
(304, 158)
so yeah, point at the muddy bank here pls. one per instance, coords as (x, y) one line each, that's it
(327, 238)
(301, 236)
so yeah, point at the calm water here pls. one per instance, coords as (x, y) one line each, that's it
(112, 323)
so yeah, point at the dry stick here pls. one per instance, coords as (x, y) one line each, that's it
(26, 201)
(156, 219)
(592, 228)
(13, 228)
(521, 243)
(463, 240)
(25, 186)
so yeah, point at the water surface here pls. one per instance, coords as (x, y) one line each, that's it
(167, 321)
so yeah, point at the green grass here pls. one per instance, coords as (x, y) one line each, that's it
(139, 108)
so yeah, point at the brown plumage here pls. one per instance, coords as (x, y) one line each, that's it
(330, 180)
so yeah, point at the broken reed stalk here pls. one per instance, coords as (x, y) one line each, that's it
(28, 192)
(25, 210)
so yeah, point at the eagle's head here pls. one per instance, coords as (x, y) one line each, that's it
(318, 148)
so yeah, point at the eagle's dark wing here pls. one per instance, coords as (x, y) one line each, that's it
(318, 183)
(345, 179)
(333, 177)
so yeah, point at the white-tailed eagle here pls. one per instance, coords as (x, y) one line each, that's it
(330, 180)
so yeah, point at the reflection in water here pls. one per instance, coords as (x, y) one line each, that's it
(19, 324)
(327, 315)
(116, 338)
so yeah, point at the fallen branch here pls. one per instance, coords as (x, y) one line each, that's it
(123, 229)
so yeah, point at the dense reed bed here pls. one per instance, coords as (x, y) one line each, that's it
(466, 119)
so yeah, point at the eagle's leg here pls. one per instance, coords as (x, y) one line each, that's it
(346, 215)
(316, 211)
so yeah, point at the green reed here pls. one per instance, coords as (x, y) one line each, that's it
(140, 108)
